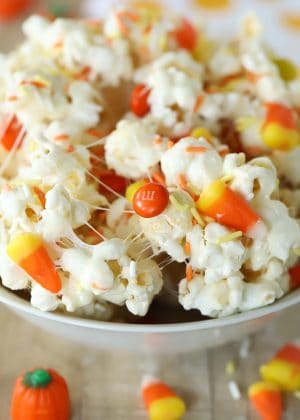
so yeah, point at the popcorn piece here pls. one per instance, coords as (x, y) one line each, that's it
(131, 149)
(167, 231)
(200, 168)
(175, 84)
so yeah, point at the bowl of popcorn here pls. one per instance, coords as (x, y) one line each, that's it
(149, 188)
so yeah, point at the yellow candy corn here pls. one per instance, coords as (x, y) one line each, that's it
(267, 400)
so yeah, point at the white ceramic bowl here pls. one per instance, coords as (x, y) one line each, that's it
(174, 338)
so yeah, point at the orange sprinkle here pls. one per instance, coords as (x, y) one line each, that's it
(58, 44)
(198, 103)
(123, 28)
(34, 83)
(95, 133)
(254, 77)
(230, 78)
(211, 89)
(96, 286)
(83, 74)
(158, 140)
(70, 148)
(170, 144)
(159, 177)
(41, 195)
(196, 149)
(182, 181)
(62, 137)
(12, 98)
(189, 273)
(187, 248)
(224, 151)
(129, 15)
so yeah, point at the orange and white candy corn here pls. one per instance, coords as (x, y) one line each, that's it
(284, 369)
(28, 251)
(279, 130)
(267, 400)
(161, 402)
(228, 208)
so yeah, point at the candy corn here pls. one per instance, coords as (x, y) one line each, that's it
(279, 130)
(284, 369)
(266, 398)
(10, 132)
(28, 251)
(228, 208)
(161, 402)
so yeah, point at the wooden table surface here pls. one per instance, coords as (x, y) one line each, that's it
(106, 385)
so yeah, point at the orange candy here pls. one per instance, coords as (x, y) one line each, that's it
(150, 200)
(139, 100)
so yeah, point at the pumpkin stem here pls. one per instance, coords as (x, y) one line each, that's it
(38, 378)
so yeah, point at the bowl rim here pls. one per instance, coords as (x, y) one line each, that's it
(15, 302)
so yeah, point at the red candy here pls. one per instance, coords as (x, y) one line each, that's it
(186, 35)
(139, 100)
(115, 182)
(150, 200)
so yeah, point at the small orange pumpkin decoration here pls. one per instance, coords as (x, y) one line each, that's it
(41, 394)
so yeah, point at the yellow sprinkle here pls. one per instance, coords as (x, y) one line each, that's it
(202, 132)
(230, 367)
(208, 219)
(177, 204)
(296, 251)
(163, 43)
(230, 237)
(243, 123)
(227, 178)
(197, 217)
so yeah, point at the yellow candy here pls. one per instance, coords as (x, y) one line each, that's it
(287, 69)
(132, 189)
(278, 137)
(168, 408)
(23, 245)
(284, 374)
(201, 132)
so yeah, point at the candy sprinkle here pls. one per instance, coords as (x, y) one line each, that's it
(230, 367)
(234, 390)
(197, 217)
(230, 237)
